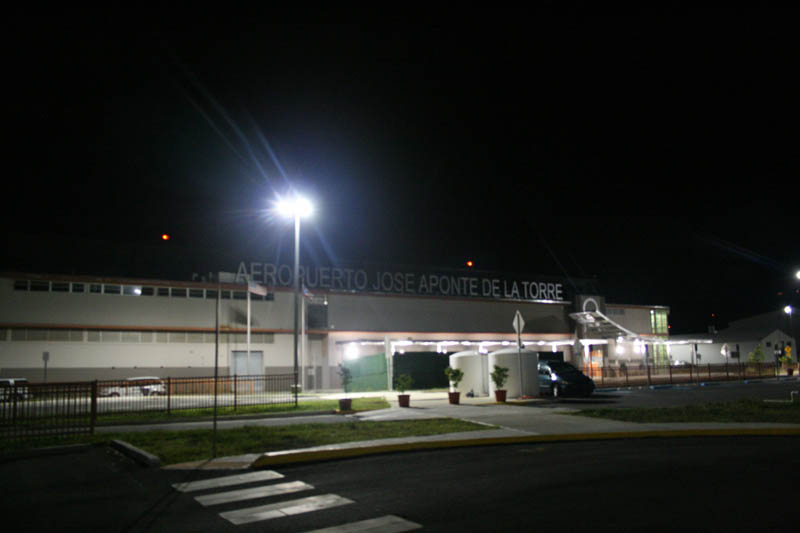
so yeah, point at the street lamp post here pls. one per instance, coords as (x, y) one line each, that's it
(296, 207)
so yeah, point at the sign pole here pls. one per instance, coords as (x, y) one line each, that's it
(216, 368)
(518, 324)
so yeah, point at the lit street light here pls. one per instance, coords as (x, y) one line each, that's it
(295, 207)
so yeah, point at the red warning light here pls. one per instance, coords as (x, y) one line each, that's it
(469, 264)
(164, 237)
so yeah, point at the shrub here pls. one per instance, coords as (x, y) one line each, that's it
(454, 375)
(403, 382)
(499, 376)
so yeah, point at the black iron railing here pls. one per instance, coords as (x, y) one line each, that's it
(51, 410)
(641, 374)
(47, 410)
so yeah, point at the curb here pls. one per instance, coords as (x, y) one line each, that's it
(687, 385)
(293, 457)
(140, 456)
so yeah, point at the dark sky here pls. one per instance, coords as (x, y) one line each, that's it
(655, 152)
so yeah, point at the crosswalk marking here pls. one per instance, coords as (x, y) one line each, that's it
(252, 493)
(383, 524)
(278, 510)
(227, 481)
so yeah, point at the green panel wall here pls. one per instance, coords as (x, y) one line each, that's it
(369, 373)
(425, 368)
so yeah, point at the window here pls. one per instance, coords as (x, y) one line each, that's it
(130, 336)
(95, 288)
(195, 293)
(40, 286)
(58, 335)
(147, 291)
(178, 293)
(163, 291)
(77, 287)
(658, 322)
(111, 289)
(132, 290)
(177, 336)
(240, 295)
(21, 285)
(60, 286)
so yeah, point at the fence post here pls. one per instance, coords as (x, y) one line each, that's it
(169, 395)
(235, 391)
(626, 375)
(670, 374)
(691, 377)
(648, 374)
(727, 376)
(93, 416)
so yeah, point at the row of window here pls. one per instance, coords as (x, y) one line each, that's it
(132, 290)
(163, 337)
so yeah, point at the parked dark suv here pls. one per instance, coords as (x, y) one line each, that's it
(562, 379)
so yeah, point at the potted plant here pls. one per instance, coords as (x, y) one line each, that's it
(345, 404)
(402, 383)
(454, 376)
(499, 378)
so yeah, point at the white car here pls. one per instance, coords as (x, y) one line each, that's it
(138, 386)
(11, 388)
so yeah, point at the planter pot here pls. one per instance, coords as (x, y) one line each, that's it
(345, 404)
(454, 397)
(500, 395)
(403, 399)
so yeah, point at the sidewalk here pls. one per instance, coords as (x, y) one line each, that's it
(511, 423)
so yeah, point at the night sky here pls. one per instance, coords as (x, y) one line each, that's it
(654, 153)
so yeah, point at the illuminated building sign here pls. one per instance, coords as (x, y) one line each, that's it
(401, 282)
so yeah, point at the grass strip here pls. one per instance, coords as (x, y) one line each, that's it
(359, 404)
(194, 445)
(744, 410)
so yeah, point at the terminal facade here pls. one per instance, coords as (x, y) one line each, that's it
(75, 328)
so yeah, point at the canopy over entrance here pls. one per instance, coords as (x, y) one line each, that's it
(600, 326)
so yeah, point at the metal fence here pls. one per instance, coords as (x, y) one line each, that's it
(175, 394)
(47, 410)
(50, 410)
(633, 375)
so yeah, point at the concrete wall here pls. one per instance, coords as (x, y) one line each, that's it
(70, 361)
(98, 310)
(633, 318)
(388, 313)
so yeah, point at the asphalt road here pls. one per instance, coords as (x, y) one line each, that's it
(680, 395)
(709, 484)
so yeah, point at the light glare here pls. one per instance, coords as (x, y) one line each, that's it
(296, 206)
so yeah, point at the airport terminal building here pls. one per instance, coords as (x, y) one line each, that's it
(76, 327)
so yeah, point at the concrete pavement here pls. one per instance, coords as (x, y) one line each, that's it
(513, 422)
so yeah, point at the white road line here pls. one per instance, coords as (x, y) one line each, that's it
(278, 510)
(227, 481)
(252, 493)
(384, 524)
